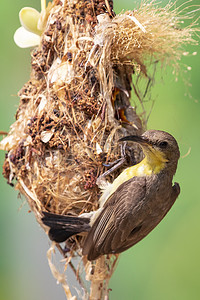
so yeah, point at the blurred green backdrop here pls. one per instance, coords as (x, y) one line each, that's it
(166, 264)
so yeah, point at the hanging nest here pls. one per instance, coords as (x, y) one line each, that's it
(76, 106)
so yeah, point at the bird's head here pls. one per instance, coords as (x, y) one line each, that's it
(158, 147)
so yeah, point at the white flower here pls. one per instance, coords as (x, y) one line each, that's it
(32, 21)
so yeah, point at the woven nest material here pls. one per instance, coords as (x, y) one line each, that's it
(76, 106)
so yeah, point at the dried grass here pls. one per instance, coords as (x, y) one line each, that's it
(77, 105)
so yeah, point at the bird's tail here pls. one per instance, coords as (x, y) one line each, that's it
(63, 227)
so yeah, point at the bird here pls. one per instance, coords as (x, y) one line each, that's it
(131, 206)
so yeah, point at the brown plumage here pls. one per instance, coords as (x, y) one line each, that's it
(134, 207)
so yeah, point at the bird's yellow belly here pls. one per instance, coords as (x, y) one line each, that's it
(144, 168)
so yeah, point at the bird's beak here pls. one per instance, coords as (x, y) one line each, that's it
(137, 139)
(147, 147)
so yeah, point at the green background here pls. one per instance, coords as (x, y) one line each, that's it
(166, 264)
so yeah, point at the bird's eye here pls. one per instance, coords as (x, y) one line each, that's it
(163, 144)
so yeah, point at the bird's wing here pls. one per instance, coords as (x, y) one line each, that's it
(111, 229)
